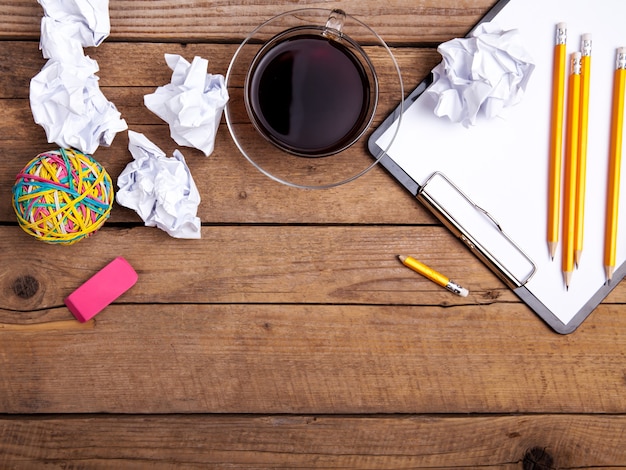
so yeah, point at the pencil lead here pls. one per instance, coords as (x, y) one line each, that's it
(567, 276)
(552, 246)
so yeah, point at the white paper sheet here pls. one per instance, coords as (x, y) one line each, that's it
(160, 189)
(192, 103)
(502, 163)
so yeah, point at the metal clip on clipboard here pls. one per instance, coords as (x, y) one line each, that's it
(477, 229)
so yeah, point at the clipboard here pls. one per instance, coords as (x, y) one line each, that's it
(496, 171)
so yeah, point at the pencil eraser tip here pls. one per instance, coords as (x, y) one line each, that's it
(586, 37)
(561, 25)
(464, 292)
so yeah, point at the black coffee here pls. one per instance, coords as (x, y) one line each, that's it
(310, 95)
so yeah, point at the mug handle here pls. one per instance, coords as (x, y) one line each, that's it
(334, 25)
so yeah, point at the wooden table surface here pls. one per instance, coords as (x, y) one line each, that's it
(289, 335)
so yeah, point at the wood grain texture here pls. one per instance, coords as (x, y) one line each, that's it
(290, 319)
(305, 441)
(251, 264)
(140, 66)
(401, 21)
(289, 335)
(257, 358)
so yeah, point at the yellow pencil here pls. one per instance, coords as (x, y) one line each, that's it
(556, 138)
(615, 161)
(585, 77)
(571, 164)
(433, 275)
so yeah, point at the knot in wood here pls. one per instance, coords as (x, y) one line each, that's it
(25, 286)
(538, 459)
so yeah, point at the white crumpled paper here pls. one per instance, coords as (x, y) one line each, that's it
(192, 103)
(160, 189)
(65, 97)
(85, 21)
(482, 74)
(67, 102)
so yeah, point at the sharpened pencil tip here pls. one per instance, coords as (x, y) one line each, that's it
(552, 249)
(567, 277)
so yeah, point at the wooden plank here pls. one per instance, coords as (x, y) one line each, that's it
(164, 442)
(295, 358)
(149, 70)
(252, 264)
(396, 21)
(283, 264)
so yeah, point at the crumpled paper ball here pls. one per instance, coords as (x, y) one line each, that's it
(67, 102)
(65, 97)
(160, 189)
(192, 103)
(480, 75)
(86, 21)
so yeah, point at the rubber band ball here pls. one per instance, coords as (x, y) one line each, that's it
(62, 196)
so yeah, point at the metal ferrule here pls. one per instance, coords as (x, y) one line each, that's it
(576, 64)
(620, 59)
(454, 287)
(585, 47)
(561, 36)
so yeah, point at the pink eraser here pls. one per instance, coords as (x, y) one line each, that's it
(101, 289)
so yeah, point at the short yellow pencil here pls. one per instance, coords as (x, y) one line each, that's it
(585, 78)
(556, 138)
(615, 161)
(433, 275)
(571, 166)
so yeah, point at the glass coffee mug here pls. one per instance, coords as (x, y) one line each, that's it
(305, 88)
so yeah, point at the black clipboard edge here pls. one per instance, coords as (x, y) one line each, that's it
(557, 325)
(413, 187)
